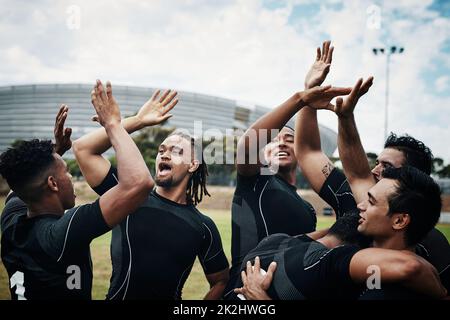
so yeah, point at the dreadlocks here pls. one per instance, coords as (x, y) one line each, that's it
(196, 187)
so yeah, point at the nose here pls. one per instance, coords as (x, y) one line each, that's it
(362, 206)
(377, 171)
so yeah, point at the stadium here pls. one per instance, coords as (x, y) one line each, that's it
(28, 111)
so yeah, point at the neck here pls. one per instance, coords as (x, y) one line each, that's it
(397, 242)
(175, 193)
(290, 176)
(330, 241)
(45, 206)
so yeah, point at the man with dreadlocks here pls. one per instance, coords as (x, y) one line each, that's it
(154, 249)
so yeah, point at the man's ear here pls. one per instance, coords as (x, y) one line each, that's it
(400, 221)
(52, 184)
(194, 166)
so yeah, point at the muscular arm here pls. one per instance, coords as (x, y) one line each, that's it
(250, 144)
(217, 282)
(354, 160)
(314, 164)
(402, 267)
(135, 182)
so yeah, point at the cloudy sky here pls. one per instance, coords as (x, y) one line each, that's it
(252, 51)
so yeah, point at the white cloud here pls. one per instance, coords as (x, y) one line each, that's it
(442, 83)
(237, 49)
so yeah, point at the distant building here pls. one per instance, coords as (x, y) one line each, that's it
(28, 111)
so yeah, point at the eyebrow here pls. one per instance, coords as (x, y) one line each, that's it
(371, 197)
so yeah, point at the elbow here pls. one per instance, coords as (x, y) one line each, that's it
(411, 269)
(77, 148)
(144, 184)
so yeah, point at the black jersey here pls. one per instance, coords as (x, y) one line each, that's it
(48, 256)
(434, 247)
(154, 249)
(264, 205)
(392, 292)
(306, 269)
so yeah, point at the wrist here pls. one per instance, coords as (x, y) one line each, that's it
(111, 125)
(134, 123)
(345, 117)
(300, 99)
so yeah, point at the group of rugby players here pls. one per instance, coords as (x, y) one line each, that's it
(383, 245)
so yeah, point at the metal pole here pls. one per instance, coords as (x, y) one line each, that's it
(386, 115)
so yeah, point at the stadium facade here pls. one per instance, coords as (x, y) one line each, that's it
(28, 111)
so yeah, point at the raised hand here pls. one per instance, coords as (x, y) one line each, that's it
(255, 284)
(320, 97)
(155, 110)
(106, 107)
(62, 135)
(345, 107)
(320, 68)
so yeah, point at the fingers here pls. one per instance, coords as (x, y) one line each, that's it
(257, 266)
(239, 290)
(108, 90)
(318, 54)
(355, 91)
(170, 106)
(365, 86)
(326, 48)
(249, 267)
(60, 112)
(101, 91)
(155, 95)
(330, 55)
(338, 91)
(165, 117)
(323, 48)
(339, 102)
(269, 275)
(244, 278)
(67, 133)
(169, 97)
(94, 95)
(164, 95)
(60, 119)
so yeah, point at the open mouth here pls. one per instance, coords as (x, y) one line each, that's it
(282, 154)
(164, 169)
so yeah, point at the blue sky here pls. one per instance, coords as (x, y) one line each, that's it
(248, 50)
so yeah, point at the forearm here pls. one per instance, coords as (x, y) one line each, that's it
(130, 165)
(307, 135)
(262, 128)
(314, 164)
(351, 151)
(97, 141)
(426, 281)
(215, 293)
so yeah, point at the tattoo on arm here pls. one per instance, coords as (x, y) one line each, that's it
(326, 170)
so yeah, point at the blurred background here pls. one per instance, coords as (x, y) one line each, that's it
(231, 61)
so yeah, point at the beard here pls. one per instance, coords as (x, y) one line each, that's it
(164, 182)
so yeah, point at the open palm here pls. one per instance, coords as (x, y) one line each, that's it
(155, 110)
(320, 68)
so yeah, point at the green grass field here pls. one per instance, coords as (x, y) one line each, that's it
(196, 285)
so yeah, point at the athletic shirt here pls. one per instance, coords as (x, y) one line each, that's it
(306, 269)
(48, 256)
(154, 248)
(434, 247)
(264, 205)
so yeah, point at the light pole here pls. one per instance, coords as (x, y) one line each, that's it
(388, 51)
